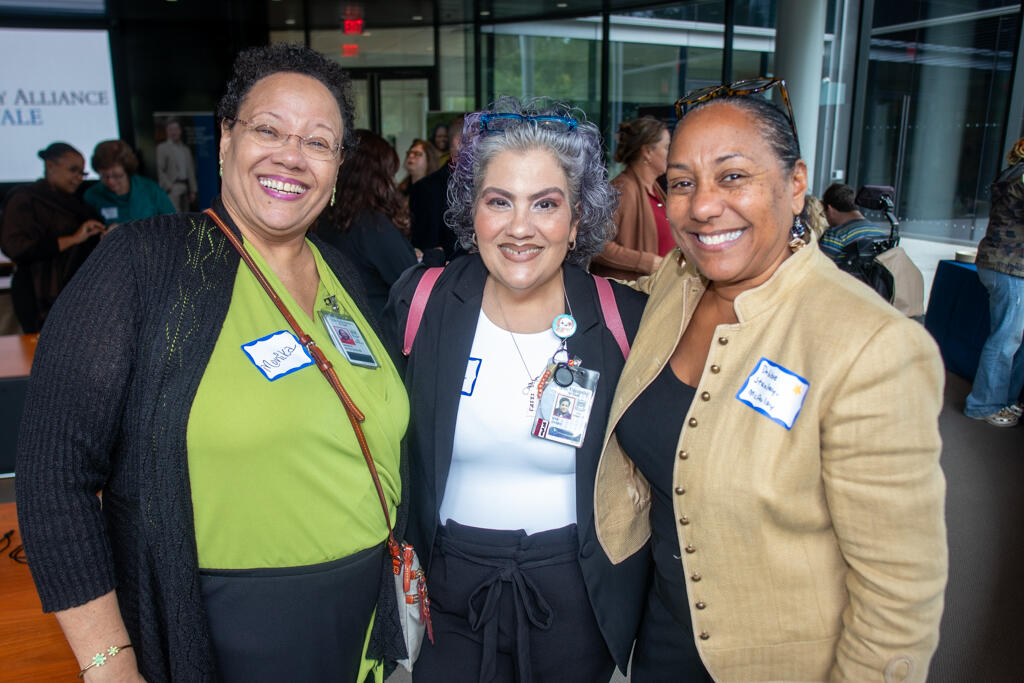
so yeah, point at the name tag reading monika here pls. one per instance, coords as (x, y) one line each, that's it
(277, 354)
(775, 392)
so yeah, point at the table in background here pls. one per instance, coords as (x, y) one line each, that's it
(16, 353)
(957, 316)
(34, 648)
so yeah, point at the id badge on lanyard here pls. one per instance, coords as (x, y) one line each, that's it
(566, 393)
(346, 335)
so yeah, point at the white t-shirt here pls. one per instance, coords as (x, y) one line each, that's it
(501, 476)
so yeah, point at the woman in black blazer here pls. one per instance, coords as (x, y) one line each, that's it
(501, 482)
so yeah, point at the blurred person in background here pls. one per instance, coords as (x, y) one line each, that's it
(122, 195)
(369, 221)
(175, 168)
(428, 201)
(421, 160)
(48, 231)
(642, 235)
(996, 394)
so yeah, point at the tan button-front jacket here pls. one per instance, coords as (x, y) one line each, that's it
(816, 552)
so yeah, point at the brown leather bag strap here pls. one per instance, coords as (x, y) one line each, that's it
(355, 416)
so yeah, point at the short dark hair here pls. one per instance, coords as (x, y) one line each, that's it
(634, 135)
(56, 150)
(257, 63)
(110, 153)
(775, 127)
(840, 197)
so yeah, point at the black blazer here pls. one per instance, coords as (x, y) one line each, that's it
(433, 377)
(428, 200)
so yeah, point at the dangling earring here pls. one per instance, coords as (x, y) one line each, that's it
(333, 193)
(796, 233)
(220, 168)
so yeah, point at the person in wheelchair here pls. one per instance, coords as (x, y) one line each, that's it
(849, 234)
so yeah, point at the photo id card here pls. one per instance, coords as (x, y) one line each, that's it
(775, 392)
(564, 411)
(347, 338)
(277, 354)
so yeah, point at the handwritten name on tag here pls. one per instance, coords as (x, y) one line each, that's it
(277, 354)
(775, 392)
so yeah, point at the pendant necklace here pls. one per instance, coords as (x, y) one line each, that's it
(563, 327)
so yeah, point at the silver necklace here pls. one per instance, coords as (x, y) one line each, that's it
(532, 380)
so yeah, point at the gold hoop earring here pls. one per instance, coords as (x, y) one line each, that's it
(572, 245)
(220, 168)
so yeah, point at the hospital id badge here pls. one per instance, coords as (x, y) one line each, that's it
(348, 339)
(565, 404)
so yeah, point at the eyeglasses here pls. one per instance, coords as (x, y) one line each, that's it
(499, 123)
(750, 86)
(313, 147)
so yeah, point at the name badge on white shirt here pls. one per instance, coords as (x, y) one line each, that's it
(277, 354)
(472, 372)
(775, 392)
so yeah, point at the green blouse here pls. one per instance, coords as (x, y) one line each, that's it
(277, 476)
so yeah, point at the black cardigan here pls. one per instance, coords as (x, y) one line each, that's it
(112, 385)
(433, 377)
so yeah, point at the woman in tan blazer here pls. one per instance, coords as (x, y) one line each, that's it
(775, 433)
(642, 234)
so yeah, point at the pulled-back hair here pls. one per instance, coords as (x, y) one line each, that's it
(774, 126)
(591, 199)
(365, 183)
(111, 153)
(634, 135)
(257, 63)
(55, 151)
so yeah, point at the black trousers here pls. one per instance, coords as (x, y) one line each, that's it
(509, 607)
(302, 624)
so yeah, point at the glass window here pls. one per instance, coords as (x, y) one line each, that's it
(935, 104)
(455, 62)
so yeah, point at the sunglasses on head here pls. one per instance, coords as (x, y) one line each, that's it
(499, 123)
(750, 86)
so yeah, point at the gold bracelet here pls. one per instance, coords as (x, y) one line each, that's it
(100, 658)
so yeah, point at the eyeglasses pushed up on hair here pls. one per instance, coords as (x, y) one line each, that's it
(499, 123)
(750, 86)
(315, 147)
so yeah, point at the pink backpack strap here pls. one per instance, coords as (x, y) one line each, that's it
(418, 305)
(610, 311)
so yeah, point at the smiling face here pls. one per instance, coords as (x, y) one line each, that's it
(274, 194)
(416, 162)
(66, 172)
(523, 221)
(116, 179)
(730, 202)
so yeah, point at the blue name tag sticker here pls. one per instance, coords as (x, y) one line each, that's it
(277, 354)
(775, 392)
(472, 372)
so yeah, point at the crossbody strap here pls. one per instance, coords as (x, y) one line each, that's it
(418, 305)
(355, 416)
(610, 311)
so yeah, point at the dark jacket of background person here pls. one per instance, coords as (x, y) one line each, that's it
(634, 250)
(34, 217)
(1002, 248)
(145, 199)
(378, 250)
(434, 379)
(428, 200)
(146, 312)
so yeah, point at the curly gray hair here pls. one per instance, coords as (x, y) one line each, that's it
(592, 199)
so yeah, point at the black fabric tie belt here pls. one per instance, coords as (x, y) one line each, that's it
(485, 603)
